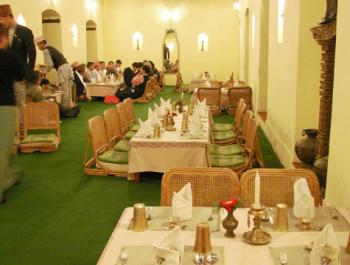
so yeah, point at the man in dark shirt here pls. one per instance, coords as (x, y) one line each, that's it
(21, 42)
(11, 69)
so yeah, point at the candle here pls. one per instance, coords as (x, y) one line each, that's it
(257, 189)
(182, 95)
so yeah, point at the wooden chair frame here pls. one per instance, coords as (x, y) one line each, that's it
(98, 140)
(236, 93)
(112, 125)
(213, 97)
(277, 186)
(209, 185)
(41, 116)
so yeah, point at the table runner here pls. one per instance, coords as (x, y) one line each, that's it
(298, 255)
(160, 217)
(323, 216)
(144, 255)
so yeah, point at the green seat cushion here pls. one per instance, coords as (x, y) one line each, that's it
(226, 161)
(222, 136)
(114, 157)
(135, 127)
(219, 127)
(226, 150)
(121, 146)
(129, 135)
(39, 138)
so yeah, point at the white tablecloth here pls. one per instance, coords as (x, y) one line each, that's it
(102, 89)
(236, 251)
(171, 150)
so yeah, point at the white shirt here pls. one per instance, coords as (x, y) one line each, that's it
(11, 35)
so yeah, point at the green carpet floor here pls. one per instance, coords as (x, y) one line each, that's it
(57, 215)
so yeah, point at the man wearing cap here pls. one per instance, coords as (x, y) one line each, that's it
(54, 59)
(20, 42)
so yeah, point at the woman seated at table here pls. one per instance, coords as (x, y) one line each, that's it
(137, 89)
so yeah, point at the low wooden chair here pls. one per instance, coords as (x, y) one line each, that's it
(209, 185)
(241, 139)
(242, 162)
(124, 123)
(147, 94)
(17, 137)
(113, 130)
(130, 113)
(221, 127)
(179, 87)
(277, 186)
(230, 136)
(213, 98)
(236, 93)
(41, 116)
(161, 80)
(105, 161)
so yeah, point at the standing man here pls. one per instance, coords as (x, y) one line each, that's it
(11, 69)
(54, 59)
(20, 42)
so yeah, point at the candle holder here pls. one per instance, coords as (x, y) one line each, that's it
(257, 236)
(156, 132)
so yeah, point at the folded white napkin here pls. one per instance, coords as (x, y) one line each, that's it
(207, 84)
(196, 127)
(182, 203)
(304, 205)
(171, 248)
(325, 248)
(145, 126)
(236, 84)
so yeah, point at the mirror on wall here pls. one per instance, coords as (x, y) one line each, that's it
(171, 52)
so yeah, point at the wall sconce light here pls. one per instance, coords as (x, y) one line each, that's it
(170, 15)
(74, 31)
(237, 6)
(20, 20)
(203, 42)
(280, 20)
(91, 6)
(137, 41)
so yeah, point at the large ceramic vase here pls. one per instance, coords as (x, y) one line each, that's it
(230, 223)
(306, 147)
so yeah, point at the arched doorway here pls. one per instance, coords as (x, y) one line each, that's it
(263, 67)
(246, 47)
(91, 41)
(52, 28)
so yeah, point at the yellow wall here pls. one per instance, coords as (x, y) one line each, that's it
(216, 18)
(71, 12)
(292, 100)
(338, 179)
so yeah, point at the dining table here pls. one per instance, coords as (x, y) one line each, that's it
(174, 148)
(103, 89)
(223, 98)
(233, 250)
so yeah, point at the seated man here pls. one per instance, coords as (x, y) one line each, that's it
(34, 90)
(138, 90)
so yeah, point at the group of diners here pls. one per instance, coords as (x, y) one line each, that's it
(136, 78)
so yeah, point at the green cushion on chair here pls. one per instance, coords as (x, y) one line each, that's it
(114, 157)
(219, 127)
(135, 127)
(129, 135)
(39, 138)
(226, 161)
(222, 136)
(121, 146)
(225, 150)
